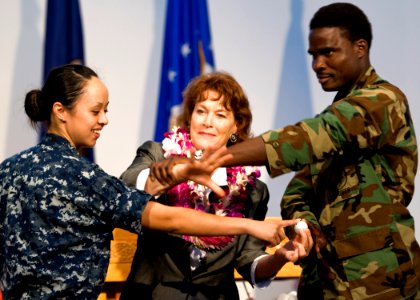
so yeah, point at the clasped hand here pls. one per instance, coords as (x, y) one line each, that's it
(175, 169)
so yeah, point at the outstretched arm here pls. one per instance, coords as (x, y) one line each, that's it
(177, 169)
(189, 221)
(250, 152)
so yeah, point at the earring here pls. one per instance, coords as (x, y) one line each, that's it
(233, 138)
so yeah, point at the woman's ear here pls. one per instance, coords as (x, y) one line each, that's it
(59, 111)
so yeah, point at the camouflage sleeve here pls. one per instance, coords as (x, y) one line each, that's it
(297, 199)
(369, 118)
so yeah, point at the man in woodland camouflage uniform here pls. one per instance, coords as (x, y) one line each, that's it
(355, 162)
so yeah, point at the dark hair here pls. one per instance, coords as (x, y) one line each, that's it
(347, 16)
(234, 99)
(64, 84)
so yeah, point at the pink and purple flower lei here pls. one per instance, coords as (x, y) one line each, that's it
(192, 195)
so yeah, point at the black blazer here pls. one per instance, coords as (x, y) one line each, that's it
(161, 265)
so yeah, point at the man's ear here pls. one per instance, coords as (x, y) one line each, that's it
(59, 111)
(362, 47)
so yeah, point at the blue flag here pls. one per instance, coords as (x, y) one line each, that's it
(187, 53)
(63, 41)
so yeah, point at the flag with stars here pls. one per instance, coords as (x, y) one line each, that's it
(63, 42)
(187, 53)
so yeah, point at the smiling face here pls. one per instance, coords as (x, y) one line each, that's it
(337, 61)
(81, 125)
(211, 123)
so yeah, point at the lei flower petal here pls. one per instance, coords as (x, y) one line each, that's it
(192, 195)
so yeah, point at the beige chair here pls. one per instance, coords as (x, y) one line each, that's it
(122, 252)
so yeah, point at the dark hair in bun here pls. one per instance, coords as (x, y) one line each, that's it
(64, 84)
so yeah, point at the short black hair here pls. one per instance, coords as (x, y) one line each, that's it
(347, 16)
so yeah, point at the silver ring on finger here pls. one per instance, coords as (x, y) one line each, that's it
(198, 154)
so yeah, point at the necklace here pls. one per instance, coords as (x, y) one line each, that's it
(192, 195)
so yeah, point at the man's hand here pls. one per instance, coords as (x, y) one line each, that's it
(174, 170)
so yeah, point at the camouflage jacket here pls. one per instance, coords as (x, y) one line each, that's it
(355, 162)
(57, 213)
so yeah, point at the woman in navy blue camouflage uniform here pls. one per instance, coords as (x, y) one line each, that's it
(58, 210)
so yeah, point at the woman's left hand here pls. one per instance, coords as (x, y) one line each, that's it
(297, 248)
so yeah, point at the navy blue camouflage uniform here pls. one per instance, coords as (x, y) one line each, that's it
(57, 213)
